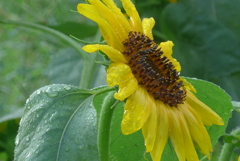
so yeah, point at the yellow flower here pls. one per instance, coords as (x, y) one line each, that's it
(158, 100)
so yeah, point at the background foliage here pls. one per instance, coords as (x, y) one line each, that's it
(206, 35)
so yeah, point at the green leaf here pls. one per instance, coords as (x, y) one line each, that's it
(65, 67)
(59, 123)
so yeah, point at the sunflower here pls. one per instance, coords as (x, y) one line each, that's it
(158, 100)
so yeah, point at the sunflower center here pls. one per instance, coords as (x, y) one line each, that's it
(154, 72)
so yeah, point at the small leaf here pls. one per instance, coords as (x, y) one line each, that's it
(59, 123)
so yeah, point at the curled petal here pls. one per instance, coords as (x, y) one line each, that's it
(148, 24)
(120, 26)
(93, 13)
(135, 112)
(135, 20)
(126, 89)
(121, 74)
(113, 54)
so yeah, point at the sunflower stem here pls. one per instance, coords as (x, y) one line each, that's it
(228, 148)
(104, 126)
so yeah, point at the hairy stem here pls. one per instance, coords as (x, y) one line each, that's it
(104, 126)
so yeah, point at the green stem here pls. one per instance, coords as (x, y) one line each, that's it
(104, 126)
(228, 148)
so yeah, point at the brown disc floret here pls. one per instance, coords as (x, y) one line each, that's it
(154, 72)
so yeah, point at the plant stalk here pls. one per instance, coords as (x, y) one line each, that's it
(104, 126)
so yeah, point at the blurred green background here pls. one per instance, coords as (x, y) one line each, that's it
(206, 35)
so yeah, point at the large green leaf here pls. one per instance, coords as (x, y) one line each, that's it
(131, 147)
(59, 123)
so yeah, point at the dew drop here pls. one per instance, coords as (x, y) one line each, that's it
(38, 91)
(17, 140)
(67, 149)
(67, 88)
(27, 100)
(27, 139)
(51, 93)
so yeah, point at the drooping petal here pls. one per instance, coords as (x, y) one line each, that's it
(161, 132)
(207, 115)
(190, 152)
(113, 54)
(149, 129)
(135, 20)
(148, 24)
(176, 133)
(197, 129)
(111, 17)
(93, 13)
(121, 74)
(135, 111)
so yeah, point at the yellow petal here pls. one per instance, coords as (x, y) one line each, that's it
(161, 132)
(166, 47)
(126, 89)
(176, 134)
(133, 14)
(135, 112)
(148, 24)
(149, 129)
(190, 151)
(118, 73)
(107, 31)
(112, 19)
(197, 129)
(113, 54)
(119, 15)
(207, 115)
(121, 74)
